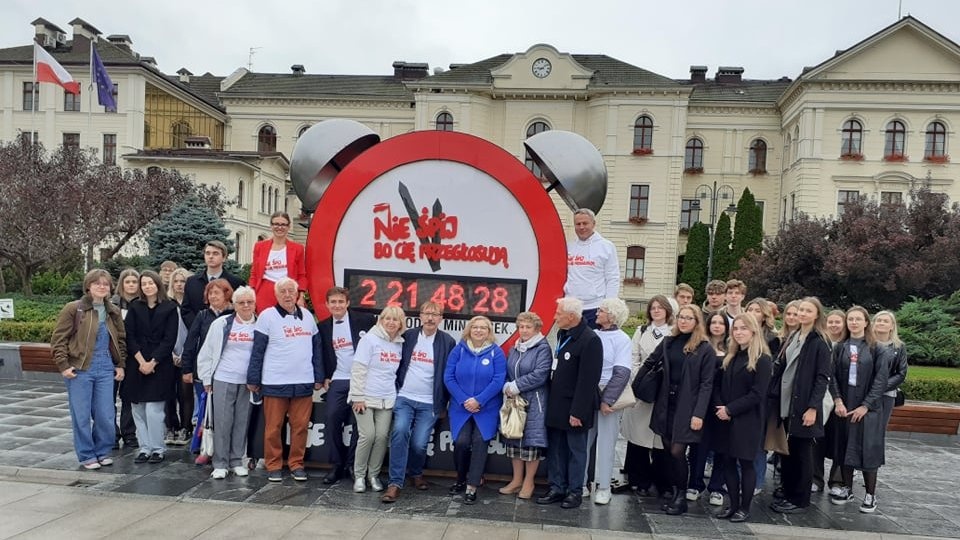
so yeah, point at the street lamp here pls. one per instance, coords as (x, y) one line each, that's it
(715, 194)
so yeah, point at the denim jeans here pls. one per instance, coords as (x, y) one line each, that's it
(149, 418)
(92, 409)
(567, 455)
(412, 425)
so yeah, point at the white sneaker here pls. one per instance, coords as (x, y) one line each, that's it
(843, 497)
(585, 493)
(835, 491)
(218, 474)
(359, 485)
(716, 499)
(241, 471)
(869, 504)
(601, 496)
(815, 488)
(375, 483)
(757, 491)
(692, 494)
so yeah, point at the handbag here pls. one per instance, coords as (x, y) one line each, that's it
(206, 438)
(776, 437)
(900, 399)
(513, 416)
(626, 399)
(647, 386)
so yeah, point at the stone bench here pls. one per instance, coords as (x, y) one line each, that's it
(925, 418)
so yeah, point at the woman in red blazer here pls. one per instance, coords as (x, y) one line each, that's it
(274, 259)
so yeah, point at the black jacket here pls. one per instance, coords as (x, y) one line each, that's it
(195, 335)
(152, 332)
(360, 323)
(873, 369)
(898, 367)
(574, 387)
(443, 343)
(693, 393)
(193, 294)
(809, 385)
(744, 394)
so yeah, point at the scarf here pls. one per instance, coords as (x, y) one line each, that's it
(524, 346)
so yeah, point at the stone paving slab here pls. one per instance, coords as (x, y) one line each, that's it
(917, 491)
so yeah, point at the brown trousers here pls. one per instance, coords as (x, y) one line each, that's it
(298, 410)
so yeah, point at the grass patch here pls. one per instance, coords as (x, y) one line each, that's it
(933, 372)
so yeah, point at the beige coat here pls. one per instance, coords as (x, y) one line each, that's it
(635, 425)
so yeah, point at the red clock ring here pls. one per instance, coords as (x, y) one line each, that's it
(442, 146)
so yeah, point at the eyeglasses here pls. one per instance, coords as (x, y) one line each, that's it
(686, 318)
(430, 314)
(244, 302)
(280, 225)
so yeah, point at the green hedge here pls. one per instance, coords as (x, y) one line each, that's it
(943, 390)
(32, 332)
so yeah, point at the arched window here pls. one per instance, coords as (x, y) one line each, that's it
(795, 151)
(263, 198)
(238, 245)
(936, 143)
(146, 135)
(896, 139)
(635, 260)
(850, 137)
(693, 157)
(276, 200)
(444, 122)
(302, 131)
(758, 157)
(267, 139)
(533, 129)
(181, 130)
(240, 194)
(643, 135)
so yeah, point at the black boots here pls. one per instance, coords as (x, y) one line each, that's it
(678, 505)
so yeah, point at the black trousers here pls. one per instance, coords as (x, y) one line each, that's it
(340, 415)
(470, 454)
(646, 467)
(179, 409)
(126, 429)
(796, 470)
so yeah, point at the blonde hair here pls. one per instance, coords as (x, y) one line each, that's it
(699, 333)
(756, 347)
(532, 318)
(479, 319)
(820, 323)
(395, 312)
(173, 275)
(894, 334)
(843, 324)
(765, 311)
(784, 330)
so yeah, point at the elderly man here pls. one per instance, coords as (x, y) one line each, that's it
(593, 269)
(422, 397)
(572, 403)
(286, 366)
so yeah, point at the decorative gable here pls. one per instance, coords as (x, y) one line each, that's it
(541, 67)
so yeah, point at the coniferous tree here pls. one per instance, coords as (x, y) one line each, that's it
(723, 261)
(695, 259)
(748, 233)
(181, 234)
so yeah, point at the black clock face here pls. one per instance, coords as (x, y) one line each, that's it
(462, 297)
(541, 68)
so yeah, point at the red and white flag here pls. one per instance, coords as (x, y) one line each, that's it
(50, 71)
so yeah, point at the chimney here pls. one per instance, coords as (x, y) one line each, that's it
(727, 74)
(48, 35)
(84, 34)
(698, 74)
(149, 61)
(184, 74)
(409, 71)
(298, 70)
(121, 40)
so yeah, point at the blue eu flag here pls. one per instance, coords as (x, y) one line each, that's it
(104, 84)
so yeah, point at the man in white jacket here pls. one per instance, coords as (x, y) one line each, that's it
(593, 268)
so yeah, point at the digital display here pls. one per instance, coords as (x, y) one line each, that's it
(461, 297)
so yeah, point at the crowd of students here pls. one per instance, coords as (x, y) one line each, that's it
(727, 385)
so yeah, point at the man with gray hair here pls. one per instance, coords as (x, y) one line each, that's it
(571, 404)
(593, 268)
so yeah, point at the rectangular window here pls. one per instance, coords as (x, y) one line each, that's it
(639, 201)
(109, 149)
(891, 197)
(26, 138)
(784, 211)
(793, 206)
(761, 205)
(689, 213)
(635, 260)
(31, 96)
(844, 197)
(71, 140)
(71, 102)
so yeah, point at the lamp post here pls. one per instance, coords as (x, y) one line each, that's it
(715, 194)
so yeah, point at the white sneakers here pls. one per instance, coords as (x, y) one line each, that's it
(601, 496)
(375, 483)
(692, 494)
(869, 504)
(241, 471)
(359, 485)
(716, 498)
(218, 474)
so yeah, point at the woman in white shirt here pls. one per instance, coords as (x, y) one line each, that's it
(373, 391)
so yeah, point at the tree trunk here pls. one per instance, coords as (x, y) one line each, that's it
(119, 245)
(25, 274)
(3, 283)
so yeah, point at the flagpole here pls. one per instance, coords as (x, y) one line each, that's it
(35, 97)
(90, 95)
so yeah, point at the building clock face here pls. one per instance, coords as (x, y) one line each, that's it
(541, 68)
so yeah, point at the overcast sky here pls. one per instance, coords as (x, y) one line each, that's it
(768, 38)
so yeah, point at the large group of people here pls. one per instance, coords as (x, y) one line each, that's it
(695, 389)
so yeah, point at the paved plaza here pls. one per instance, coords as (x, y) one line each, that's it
(43, 494)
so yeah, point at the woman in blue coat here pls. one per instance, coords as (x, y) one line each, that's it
(474, 376)
(528, 371)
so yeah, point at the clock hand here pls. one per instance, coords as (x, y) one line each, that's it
(414, 218)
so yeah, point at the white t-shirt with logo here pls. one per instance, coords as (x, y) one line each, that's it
(343, 348)
(382, 359)
(289, 355)
(418, 382)
(236, 354)
(276, 268)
